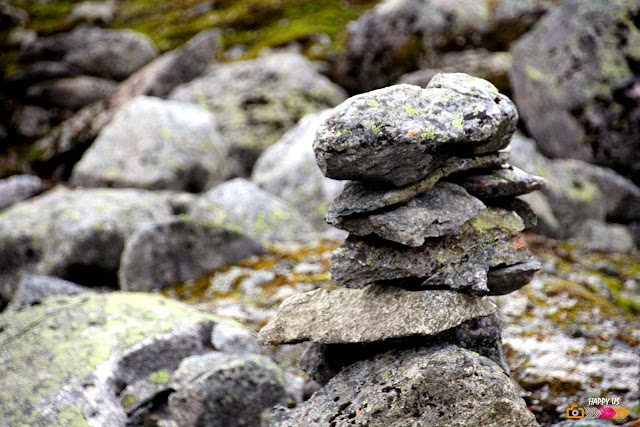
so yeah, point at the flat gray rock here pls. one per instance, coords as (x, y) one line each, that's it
(166, 253)
(242, 206)
(33, 289)
(358, 197)
(374, 313)
(457, 262)
(71, 92)
(155, 144)
(438, 212)
(430, 386)
(507, 181)
(504, 280)
(397, 135)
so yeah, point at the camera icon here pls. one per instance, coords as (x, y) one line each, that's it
(575, 413)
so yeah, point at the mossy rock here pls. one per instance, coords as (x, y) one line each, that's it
(62, 360)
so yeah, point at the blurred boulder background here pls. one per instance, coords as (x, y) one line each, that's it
(166, 147)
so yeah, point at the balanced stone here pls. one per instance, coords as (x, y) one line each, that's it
(360, 197)
(505, 280)
(504, 182)
(397, 135)
(374, 313)
(457, 261)
(441, 211)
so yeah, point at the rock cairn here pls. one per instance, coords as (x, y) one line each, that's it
(433, 220)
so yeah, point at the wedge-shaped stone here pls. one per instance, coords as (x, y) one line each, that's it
(507, 181)
(439, 212)
(371, 314)
(358, 197)
(459, 262)
(504, 280)
(399, 134)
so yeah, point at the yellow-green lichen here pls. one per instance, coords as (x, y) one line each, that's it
(160, 377)
(457, 121)
(373, 103)
(128, 401)
(533, 73)
(410, 110)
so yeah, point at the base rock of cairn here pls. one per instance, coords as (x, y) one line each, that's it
(410, 336)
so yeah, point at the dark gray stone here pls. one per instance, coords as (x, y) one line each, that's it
(18, 188)
(436, 386)
(399, 134)
(161, 254)
(33, 289)
(71, 92)
(438, 212)
(240, 205)
(507, 181)
(31, 121)
(226, 391)
(358, 197)
(504, 280)
(234, 339)
(457, 262)
(374, 313)
(155, 144)
(585, 108)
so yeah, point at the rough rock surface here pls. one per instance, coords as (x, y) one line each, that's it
(599, 236)
(256, 101)
(458, 262)
(374, 313)
(240, 205)
(232, 339)
(157, 78)
(399, 36)
(585, 108)
(76, 235)
(399, 134)
(507, 181)
(112, 54)
(18, 188)
(358, 197)
(64, 361)
(225, 391)
(289, 170)
(439, 212)
(504, 280)
(161, 254)
(437, 386)
(173, 145)
(33, 290)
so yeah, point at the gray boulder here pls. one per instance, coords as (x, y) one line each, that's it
(257, 101)
(155, 144)
(65, 361)
(434, 386)
(360, 197)
(225, 390)
(399, 134)
(111, 54)
(458, 262)
(289, 170)
(603, 237)
(76, 235)
(374, 313)
(31, 121)
(71, 92)
(232, 339)
(34, 289)
(586, 108)
(404, 35)
(439, 212)
(575, 192)
(165, 253)
(156, 79)
(18, 188)
(99, 13)
(241, 206)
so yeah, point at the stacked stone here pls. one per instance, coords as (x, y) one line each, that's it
(433, 219)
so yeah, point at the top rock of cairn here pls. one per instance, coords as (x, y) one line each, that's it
(432, 213)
